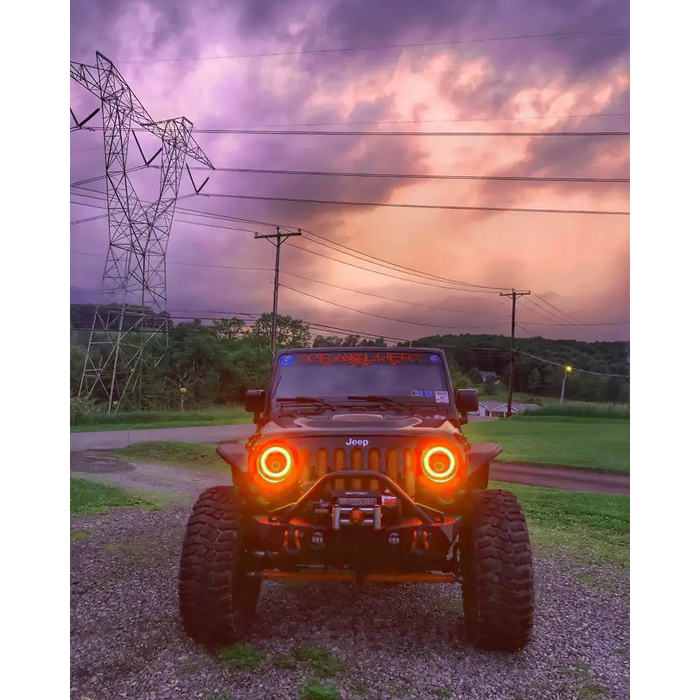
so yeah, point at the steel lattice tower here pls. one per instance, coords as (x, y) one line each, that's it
(132, 308)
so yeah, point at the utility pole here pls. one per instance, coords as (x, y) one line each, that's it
(513, 295)
(279, 238)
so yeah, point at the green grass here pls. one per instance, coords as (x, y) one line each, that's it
(591, 443)
(284, 661)
(324, 664)
(242, 657)
(87, 497)
(196, 454)
(583, 410)
(591, 527)
(313, 690)
(146, 420)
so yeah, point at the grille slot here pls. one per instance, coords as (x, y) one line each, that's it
(397, 463)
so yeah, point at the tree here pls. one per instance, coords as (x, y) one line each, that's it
(475, 376)
(291, 332)
(458, 378)
(534, 380)
(490, 386)
(613, 389)
(327, 341)
(228, 328)
(351, 341)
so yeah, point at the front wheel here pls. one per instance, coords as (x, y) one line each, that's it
(217, 599)
(497, 576)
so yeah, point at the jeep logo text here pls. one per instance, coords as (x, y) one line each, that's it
(360, 443)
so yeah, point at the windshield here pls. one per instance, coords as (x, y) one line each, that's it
(412, 377)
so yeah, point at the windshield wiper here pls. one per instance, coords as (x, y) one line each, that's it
(383, 399)
(305, 399)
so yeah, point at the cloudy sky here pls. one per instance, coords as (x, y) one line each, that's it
(449, 65)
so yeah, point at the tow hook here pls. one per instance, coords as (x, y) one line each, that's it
(291, 533)
(420, 544)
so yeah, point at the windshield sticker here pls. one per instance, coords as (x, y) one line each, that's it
(423, 393)
(435, 358)
(442, 397)
(287, 360)
(363, 359)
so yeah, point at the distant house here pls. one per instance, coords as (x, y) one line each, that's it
(494, 409)
(485, 376)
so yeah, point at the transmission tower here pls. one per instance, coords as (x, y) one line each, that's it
(132, 307)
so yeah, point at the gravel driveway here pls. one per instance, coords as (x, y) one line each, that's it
(402, 642)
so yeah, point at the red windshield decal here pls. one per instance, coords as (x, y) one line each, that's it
(363, 359)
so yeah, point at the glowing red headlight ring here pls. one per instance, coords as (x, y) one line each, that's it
(275, 477)
(439, 477)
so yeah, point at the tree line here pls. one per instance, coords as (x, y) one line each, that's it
(218, 361)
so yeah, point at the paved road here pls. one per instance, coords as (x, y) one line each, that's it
(566, 478)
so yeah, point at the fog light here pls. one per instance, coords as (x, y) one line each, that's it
(356, 516)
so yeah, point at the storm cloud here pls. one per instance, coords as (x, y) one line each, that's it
(502, 66)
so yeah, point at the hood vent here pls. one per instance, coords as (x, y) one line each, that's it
(358, 417)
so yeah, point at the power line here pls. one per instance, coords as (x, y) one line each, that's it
(525, 330)
(386, 274)
(556, 308)
(533, 307)
(342, 262)
(572, 325)
(386, 318)
(387, 264)
(190, 264)
(574, 369)
(449, 207)
(90, 218)
(409, 176)
(462, 134)
(391, 265)
(552, 36)
(97, 178)
(357, 291)
(561, 117)
(398, 301)
(315, 132)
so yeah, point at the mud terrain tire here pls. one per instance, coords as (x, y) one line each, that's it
(497, 577)
(217, 599)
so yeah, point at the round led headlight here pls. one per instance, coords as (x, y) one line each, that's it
(439, 464)
(275, 464)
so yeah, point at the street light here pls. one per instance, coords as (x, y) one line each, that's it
(563, 383)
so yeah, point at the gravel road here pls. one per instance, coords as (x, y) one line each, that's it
(402, 642)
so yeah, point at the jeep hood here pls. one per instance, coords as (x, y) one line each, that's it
(359, 424)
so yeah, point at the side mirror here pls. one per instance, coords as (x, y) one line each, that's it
(255, 401)
(467, 400)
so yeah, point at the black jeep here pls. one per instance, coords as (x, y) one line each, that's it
(358, 471)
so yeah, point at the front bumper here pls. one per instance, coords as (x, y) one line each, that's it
(418, 539)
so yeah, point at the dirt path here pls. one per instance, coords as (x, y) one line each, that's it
(173, 480)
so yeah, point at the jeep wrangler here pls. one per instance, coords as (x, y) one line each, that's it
(358, 471)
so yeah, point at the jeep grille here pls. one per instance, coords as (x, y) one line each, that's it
(398, 463)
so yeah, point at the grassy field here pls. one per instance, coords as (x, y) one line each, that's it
(88, 497)
(593, 443)
(592, 527)
(145, 420)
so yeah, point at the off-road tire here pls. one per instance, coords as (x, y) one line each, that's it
(497, 577)
(217, 599)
